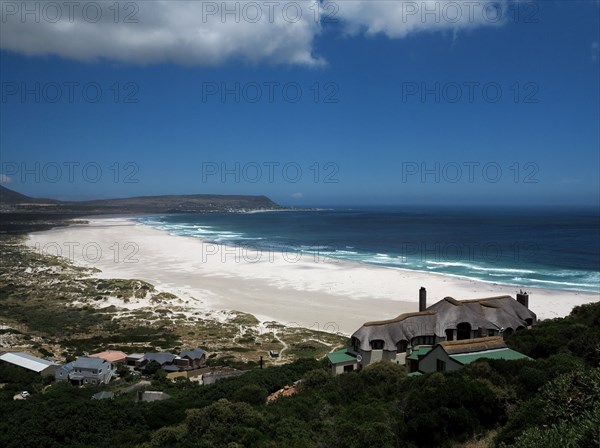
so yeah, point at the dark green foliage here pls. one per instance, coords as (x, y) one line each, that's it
(446, 407)
(551, 402)
(151, 368)
(251, 394)
(577, 334)
(565, 413)
(224, 422)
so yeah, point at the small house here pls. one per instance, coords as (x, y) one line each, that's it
(191, 359)
(85, 370)
(135, 360)
(342, 361)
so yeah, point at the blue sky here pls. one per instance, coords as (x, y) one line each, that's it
(379, 120)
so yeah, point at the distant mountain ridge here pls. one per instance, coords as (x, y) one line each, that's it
(11, 200)
(11, 197)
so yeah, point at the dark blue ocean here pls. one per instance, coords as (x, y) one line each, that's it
(546, 248)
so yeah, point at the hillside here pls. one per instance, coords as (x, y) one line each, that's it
(12, 201)
(10, 197)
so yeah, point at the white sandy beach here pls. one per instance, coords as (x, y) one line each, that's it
(292, 288)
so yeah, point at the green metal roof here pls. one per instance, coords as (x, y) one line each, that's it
(502, 353)
(340, 356)
(103, 395)
(416, 373)
(419, 352)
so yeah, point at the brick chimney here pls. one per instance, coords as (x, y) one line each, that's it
(422, 299)
(523, 299)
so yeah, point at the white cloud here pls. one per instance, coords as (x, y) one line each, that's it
(297, 195)
(184, 32)
(5, 179)
(397, 19)
(211, 33)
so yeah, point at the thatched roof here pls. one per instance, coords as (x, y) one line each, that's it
(473, 345)
(490, 313)
(398, 319)
(452, 312)
(504, 311)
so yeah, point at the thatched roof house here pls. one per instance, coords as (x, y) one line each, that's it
(447, 320)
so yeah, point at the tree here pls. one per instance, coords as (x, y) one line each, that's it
(315, 378)
(151, 368)
(225, 422)
(251, 394)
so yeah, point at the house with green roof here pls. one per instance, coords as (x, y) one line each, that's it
(453, 355)
(409, 338)
(342, 361)
(447, 320)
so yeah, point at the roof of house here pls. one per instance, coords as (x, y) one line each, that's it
(502, 311)
(501, 353)
(103, 395)
(135, 356)
(85, 362)
(491, 313)
(192, 354)
(160, 357)
(400, 318)
(473, 345)
(152, 395)
(27, 361)
(419, 352)
(391, 332)
(110, 355)
(340, 356)
(67, 367)
(171, 368)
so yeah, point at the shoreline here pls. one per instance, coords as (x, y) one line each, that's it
(327, 294)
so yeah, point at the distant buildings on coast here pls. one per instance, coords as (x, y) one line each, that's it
(99, 368)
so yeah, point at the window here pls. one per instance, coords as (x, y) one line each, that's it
(463, 331)
(440, 365)
(449, 335)
(423, 340)
(402, 346)
(491, 332)
(377, 344)
(349, 368)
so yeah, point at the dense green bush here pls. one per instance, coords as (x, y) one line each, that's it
(551, 402)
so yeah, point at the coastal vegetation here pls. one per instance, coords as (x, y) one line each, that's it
(55, 308)
(551, 402)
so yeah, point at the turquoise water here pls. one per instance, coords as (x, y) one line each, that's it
(558, 249)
